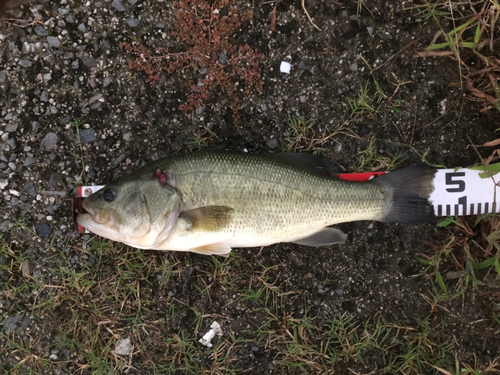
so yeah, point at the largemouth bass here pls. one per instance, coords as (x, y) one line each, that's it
(209, 202)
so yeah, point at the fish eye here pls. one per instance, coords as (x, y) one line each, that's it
(109, 195)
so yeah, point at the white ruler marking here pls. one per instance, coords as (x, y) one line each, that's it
(463, 192)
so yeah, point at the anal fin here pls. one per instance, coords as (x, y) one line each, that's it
(213, 249)
(326, 236)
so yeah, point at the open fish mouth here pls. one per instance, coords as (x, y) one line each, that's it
(111, 230)
(92, 222)
(100, 223)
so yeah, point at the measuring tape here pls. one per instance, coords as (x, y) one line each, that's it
(465, 192)
(457, 192)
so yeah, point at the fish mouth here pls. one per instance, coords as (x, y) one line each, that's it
(106, 229)
(98, 221)
(95, 215)
(111, 231)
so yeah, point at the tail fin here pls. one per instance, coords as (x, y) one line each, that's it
(411, 188)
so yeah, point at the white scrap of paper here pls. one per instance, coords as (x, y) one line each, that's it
(207, 338)
(285, 67)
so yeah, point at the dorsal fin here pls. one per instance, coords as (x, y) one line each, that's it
(317, 164)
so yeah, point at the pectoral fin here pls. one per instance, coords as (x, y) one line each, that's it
(326, 236)
(213, 249)
(209, 218)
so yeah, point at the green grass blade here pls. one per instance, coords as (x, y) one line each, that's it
(441, 283)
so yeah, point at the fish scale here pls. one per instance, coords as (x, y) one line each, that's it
(273, 193)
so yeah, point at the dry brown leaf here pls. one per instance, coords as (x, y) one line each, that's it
(273, 18)
(433, 53)
(496, 142)
(490, 158)
(478, 93)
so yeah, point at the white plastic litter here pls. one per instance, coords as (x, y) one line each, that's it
(285, 67)
(207, 338)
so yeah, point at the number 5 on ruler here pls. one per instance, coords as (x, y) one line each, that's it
(463, 192)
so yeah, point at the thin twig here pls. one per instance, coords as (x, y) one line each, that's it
(307, 14)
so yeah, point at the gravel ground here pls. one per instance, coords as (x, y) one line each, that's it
(74, 112)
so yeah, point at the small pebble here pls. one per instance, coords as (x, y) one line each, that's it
(107, 81)
(117, 4)
(54, 41)
(5, 225)
(86, 136)
(94, 98)
(42, 230)
(223, 57)
(123, 347)
(90, 62)
(11, 128)
(41, 31)
(26, 322)
(133, 22)
(10, 323)
(63, 11)
(272, 144)
(29, 161)
(25, 269)
(25, 63)
(54, 177)
(49, 142)
(29, 189)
